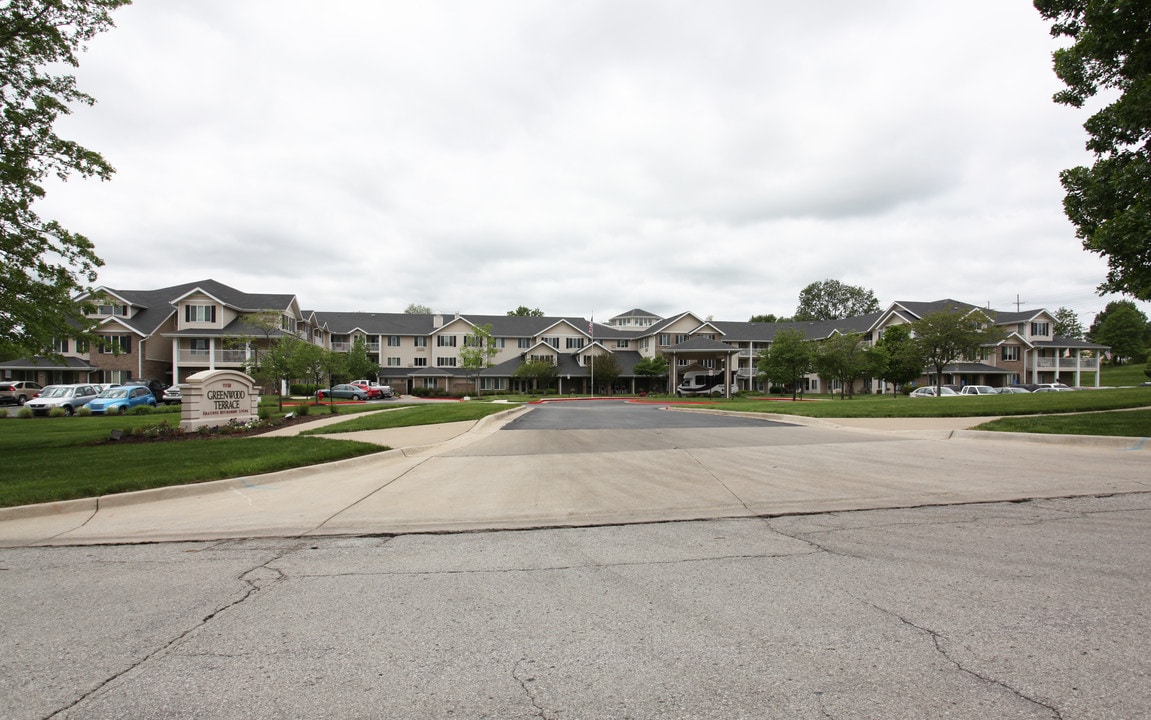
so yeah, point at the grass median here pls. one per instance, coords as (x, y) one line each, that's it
(413, 415)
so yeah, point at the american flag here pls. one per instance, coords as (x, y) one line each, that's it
(590, 330)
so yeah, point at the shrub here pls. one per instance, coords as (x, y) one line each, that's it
(57, 412)
(265, 412)
(84, 411)
(303, 409)
(25, 412)
(141, 410)
(303, 389)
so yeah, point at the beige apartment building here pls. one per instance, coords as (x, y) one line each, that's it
(171, 333)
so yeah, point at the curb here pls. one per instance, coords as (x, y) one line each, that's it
(1103, 441)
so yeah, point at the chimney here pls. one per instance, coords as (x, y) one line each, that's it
(437, 321)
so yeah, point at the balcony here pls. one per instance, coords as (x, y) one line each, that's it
(205, 357)
(347, 346)
(1047, 363)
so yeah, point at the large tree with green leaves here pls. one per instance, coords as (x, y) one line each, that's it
(43, 265)
(605, 370)
(1067, 324)
(478, 351)
(541, 372)
(845, 357)
(947, 336)
(417, 309)
(904, 358)
(789, 357)
(525, 311)
(832, 300)
(653, 368)
(358, 363)
(1123, 327)
(1110, 202)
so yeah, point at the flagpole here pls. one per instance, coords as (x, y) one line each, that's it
(591, 355)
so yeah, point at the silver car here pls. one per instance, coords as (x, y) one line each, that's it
(68, 397)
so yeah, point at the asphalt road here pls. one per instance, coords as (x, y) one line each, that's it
(1029, 609)
(1014, 610)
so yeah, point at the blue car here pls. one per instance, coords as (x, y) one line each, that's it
(119, 399)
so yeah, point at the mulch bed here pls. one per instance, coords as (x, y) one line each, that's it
(165, 431)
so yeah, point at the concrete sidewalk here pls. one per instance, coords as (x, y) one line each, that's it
(458, 477)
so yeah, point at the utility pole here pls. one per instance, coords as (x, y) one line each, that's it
(1018, 302)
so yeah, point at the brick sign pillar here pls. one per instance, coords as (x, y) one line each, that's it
(217, 397)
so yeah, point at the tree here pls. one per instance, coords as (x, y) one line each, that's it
(845, 357)
(768, 318)
(262, 324)
(904, 358)
(1123, 327)
(947, 336)
(478, 351)
(415, 309)
(605, 370)
(540, 372)
(525, 311)
(832, 300)
(787, 359)
(1067, 324)
(358, 363)
(652, 368)
(281, 363)
(43, 266)
(1109, 203)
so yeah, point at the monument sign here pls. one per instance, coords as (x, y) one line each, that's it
(217, 397)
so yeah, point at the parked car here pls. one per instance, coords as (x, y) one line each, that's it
(101, 387)
(345, 392)
(121, 399)
(1013, 390)
(18, 391)
(155, 386)
(977, 390)
(1051, 387)
(68, 397)
(929, 391)
(374, 389)
(172, 395)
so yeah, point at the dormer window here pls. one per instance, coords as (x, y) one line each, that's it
(112, 310)
(200, 313)
(1040, 329)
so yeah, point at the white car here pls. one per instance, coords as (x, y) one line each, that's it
(978, 390)
(68, 397)
(929, 391)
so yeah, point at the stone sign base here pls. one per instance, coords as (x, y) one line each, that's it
(217, 397)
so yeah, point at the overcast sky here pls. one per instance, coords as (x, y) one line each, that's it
(582, 157)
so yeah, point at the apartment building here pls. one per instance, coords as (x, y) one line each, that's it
(170, 333)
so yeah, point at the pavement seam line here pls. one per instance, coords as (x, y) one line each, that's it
(343, 510)
(938, 641)
(722, 484)
(253, 588)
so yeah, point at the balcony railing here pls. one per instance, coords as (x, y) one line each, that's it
(1067, 363)
(204, 357)
(347, 346)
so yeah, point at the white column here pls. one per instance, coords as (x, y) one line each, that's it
(175, 361)
(211, 353)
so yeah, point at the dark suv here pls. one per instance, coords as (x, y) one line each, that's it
(18, 391)
(155, 386)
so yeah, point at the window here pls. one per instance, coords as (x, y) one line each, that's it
(420, 362)
(524, 343)
(708, 362)
(445, 362)
(473, 341)
(82, 346)
(553, 341)
(200, 313)
(498, 343)
(1010, 353)
(445, 341)
(120, 310)
(542, 358)
(393, 341)
(60, 345)
(1040, 329)
(487, 383)
(664, 339)
(574, 343)
(680, 338)
(393, 362)
(420, 341)
(119, 344)
(621, 344)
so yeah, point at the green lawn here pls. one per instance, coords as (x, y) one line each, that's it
(966, 406)
(1123, 375)
(47, 459)
(1127, 423)
(411, 415)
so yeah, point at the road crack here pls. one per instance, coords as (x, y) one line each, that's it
(939, 640)
(257, 579)
(526, 680)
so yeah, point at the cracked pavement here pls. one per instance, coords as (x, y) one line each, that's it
(1007, 610)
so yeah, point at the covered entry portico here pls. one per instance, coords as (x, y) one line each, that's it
(718, 357)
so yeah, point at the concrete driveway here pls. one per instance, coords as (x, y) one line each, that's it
(573, 464)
